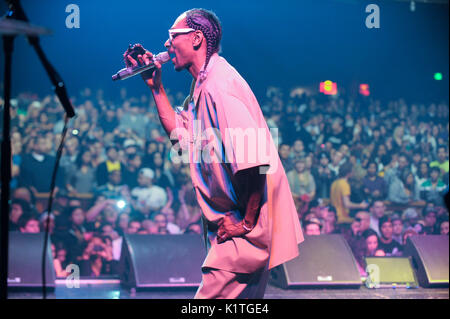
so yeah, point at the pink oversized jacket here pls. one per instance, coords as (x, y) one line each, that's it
(222, 131)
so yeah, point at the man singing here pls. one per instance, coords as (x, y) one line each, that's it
(250, 220)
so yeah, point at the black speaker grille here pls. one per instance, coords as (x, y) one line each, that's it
(165, 260)
(323, 260)
(431, 255)
(25, 261)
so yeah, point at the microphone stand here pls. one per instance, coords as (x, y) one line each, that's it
(5, 167)
(15, 11)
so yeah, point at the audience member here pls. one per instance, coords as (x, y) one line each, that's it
(28, 223)
(312, 227)
(408, 233)
(442, 160)
(131, 170)
(147, 197)
(35, 165)
(193, 228)
(340, 195)
(443, 227)
(404, 190)
(111, 164)
(301, 182)
(390, 246)
(399, 145)
(96, 258)
(58, 261)
(397, 228)
(374, 186)
(433, 189)
(19, 207)
(81, 177)
(363, 218)
(284, 151)
(323, 176)
(430, 222)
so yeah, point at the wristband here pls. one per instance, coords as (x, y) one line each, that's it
(245, 227)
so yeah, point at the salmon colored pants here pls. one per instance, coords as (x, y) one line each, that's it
(222, 284)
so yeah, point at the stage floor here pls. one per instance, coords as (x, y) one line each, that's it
(115, 291)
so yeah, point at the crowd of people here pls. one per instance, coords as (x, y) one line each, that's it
(373, 171)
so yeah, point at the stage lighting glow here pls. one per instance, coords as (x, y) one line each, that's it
(120, 204)
(364, 89)
(75, 132)
(438, 76)
(328, 87)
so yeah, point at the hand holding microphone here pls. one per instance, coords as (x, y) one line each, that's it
(138, 60)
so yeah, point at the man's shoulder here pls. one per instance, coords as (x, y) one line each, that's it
(367, 180)
(101, 165)
(343, 187)
(223, 78)
(156, 188)
(335, 182)
(441, 185)
(140, 191)
(339, 183)
(379, 180)
(102, 189)
(27, 157)
(291, 172)
(436, 164)
(426, 183)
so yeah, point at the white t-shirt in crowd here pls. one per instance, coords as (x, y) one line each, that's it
(154, 197)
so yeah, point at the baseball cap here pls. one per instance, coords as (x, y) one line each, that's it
(410, 213)
(147, 172)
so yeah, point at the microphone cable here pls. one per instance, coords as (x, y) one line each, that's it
(49, 208)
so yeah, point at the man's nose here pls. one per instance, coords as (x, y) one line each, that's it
(167, 44)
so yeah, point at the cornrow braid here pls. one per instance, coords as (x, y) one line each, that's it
(208, 23)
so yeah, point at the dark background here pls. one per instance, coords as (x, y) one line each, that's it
(281, 43)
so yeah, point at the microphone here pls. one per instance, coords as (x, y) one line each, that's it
(126, 73)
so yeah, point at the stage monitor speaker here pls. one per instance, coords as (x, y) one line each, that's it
(162, 260)
(25, 261)
(323, 261)
(390, 272)
(430, 259)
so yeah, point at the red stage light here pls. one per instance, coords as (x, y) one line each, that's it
(364, 89)
(328, 87)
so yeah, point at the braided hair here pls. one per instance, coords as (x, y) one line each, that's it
(207, 22)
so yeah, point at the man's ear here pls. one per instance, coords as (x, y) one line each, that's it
(198, 39)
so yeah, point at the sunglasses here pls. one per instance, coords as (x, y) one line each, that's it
(174, 32)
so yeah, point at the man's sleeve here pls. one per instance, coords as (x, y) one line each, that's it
(24, 174)
(246, 143)
(181, 120)
(312, 185)
(389, 176)
(290, 176)
(181, 117)
(383, 188)
(346, 189)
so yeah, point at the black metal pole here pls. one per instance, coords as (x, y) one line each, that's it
(5, 168)
(49, 208)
